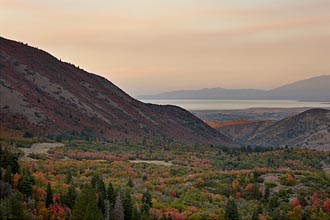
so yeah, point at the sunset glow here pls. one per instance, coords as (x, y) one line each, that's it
(150, 46)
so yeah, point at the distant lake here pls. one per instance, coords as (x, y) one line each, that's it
(236, 104)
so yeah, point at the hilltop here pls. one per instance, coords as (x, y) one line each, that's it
(309, 129)
(47, 97)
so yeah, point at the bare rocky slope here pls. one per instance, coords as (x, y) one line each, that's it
(310, 129)
(39, 93)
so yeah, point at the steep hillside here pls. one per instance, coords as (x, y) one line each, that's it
(242, 132)
(308, 129)
(41, 94)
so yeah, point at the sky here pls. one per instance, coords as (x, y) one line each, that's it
(151, 46)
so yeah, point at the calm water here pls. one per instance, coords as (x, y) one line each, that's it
(236, 104)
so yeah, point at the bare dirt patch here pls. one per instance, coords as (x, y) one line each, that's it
(156, 162)
(40, 148)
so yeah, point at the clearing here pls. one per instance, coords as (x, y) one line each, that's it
(40, 148)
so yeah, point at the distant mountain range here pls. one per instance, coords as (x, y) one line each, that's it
(309, 129)
(46, 97)
(316, 89)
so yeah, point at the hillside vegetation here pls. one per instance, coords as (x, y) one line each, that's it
(194, 183)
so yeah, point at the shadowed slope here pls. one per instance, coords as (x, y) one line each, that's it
(42, 94)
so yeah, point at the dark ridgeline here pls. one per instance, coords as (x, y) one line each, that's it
(47, 97)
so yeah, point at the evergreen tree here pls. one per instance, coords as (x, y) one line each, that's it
(10, 209)
(8, 175)
(136, 214)
(49, 196)
(92, 213)
(130, 183)
(25, 185)
(267, 193)
(68, 177)
(273, 202)
(111, 195)
(302, 200)
(146, 203)
(95, 181)
(107, 212)
(85, 207)
(101, 202)
(275, 214)
(8, 158)
(99, 186)
(255, 193)
(127, 205)
(5, 189)
(256, 213)
(231, 212)
(70, 197)
(118, 211)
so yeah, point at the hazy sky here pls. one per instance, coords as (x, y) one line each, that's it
(149, 46)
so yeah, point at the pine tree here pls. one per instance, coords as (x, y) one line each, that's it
(16, 208)
(95, 181)
(100, 202)
(127, 205)
(107, 213)
(92, 213)
(49, 197)
(8, 175)
(111, 195)
(130, 183)
(85, 207)
(302, 200)
(136, 214)
(70, 197)
(146, 203)
(231, 212)
(118, 211)
(68, 177)
(99, 187)
(254, 193)
(267, 193)
(98, 184)
(25, 185)
(256, 213)
(273, 202)
(102, 187)
(8, 158)
(10, 209)
(5, 189)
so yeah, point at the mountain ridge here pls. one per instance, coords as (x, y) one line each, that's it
(50, 97)
(311, 89)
